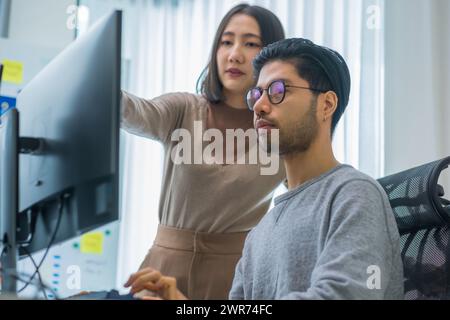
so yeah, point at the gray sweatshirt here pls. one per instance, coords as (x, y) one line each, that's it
(333, 237)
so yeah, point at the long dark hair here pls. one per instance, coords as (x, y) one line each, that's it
(208, 84)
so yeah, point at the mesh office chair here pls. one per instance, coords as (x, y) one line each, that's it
(423, 219)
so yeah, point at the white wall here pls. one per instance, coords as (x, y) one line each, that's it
(417, 68)
(442, 37)
(42, 22)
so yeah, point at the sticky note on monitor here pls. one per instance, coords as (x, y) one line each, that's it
(92, 243)
(12, 71)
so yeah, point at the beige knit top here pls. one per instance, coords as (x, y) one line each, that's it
(215, 198)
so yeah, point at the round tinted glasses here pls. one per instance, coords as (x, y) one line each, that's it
(276, 92)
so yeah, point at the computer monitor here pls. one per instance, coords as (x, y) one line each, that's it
(8, 196)
(69, 140)
(59, 160)
(1, 74)
(9, 133)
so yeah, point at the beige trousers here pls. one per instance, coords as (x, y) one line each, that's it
(202, 263)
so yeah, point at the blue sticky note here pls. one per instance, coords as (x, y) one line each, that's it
(6, 103)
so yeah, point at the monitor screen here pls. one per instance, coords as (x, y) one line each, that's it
(8, 194)
(73, 106)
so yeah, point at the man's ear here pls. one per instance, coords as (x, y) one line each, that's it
(330, 102)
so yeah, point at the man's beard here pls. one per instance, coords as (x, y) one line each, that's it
(299, 138)
(292, 140)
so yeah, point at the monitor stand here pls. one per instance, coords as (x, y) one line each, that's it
(14, 228)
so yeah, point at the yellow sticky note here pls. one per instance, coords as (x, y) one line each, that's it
(12, 71)
(92, 243)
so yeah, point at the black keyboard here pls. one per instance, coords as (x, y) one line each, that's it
(103, 295)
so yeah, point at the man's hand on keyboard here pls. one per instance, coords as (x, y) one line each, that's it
(156, 285)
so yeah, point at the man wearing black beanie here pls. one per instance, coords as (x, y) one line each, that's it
(332, 235)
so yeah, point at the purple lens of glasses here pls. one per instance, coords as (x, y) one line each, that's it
(252, 96)
(256, 94)
(276, 91)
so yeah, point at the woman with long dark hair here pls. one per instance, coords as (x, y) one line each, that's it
(206, 210)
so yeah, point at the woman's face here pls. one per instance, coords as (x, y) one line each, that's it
(240, 43)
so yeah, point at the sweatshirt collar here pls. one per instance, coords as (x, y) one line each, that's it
(306, 184)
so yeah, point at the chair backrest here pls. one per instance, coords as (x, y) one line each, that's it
(423, 219)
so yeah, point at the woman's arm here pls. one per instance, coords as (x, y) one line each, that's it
(156, 118)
